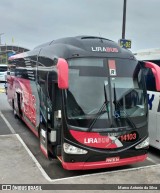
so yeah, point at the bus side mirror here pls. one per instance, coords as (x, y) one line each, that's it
(62, 71)
(156, 71)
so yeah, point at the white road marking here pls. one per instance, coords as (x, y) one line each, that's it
(34, 159)
(67, 178)
(26, 148)
(7, 135)
(151, 160)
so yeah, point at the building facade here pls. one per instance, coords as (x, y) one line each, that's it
(8, 50)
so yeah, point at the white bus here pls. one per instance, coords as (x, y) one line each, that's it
(3, 72)
(152, 55)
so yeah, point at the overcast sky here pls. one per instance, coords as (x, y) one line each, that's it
(32, 22)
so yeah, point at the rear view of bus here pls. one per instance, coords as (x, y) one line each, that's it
(90, 98)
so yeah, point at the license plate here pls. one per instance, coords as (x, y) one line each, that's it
(112, 159)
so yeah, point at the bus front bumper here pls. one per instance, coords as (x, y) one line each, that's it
(102, 164)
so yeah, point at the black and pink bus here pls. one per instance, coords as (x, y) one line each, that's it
(85, 99)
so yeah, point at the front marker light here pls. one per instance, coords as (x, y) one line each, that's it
(143, 144)
(70, 149)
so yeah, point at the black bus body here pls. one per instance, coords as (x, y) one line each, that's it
(85, 98)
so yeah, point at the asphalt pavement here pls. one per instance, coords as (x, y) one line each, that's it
(18, 166)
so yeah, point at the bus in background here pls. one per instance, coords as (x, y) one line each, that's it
(152, 55)
(3, 72)
(85, 98)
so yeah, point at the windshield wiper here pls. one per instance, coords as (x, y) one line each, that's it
(101, 110)
(117, 109)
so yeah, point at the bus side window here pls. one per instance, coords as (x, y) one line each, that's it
(150, 80)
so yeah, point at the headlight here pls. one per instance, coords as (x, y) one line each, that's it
(143, 144)
(70, 149)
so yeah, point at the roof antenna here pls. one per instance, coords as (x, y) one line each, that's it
(100, 37)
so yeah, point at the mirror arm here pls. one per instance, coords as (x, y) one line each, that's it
(156, 71)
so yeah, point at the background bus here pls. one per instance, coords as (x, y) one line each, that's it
(3, 72)
(152, 55)
(85, 98)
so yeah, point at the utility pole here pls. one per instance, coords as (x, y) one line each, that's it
(0, 38)
(124, 43)
(124, 19)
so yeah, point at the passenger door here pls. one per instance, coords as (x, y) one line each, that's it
(154, 119)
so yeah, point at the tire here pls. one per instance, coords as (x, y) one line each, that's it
(14, 111)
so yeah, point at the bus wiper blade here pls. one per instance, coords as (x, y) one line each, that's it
(131, 123)
(101, 110)
(99, 114)
(118, 106)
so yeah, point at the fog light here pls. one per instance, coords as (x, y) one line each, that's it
(70, 149)
(143, 144)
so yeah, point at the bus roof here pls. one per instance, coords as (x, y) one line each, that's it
(79, 46)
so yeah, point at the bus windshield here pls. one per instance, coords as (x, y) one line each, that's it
(95, 93)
